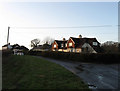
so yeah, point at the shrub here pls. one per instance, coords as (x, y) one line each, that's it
(6, 53)
(91, 58)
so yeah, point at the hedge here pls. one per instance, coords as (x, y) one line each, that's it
(80, 57)
(6, 53)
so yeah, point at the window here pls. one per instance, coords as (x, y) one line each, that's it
(61, 45)
(70, 44)
(54, 46)
(71, 50)
(66, 44)
(95, 43)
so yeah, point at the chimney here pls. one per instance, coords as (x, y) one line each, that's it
(80, 36)
(63, 39)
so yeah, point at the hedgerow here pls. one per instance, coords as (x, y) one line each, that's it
(105, 58)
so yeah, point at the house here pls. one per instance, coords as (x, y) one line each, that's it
(7, 47)
(59, 45)
(38, 48)
(84, 45)
(44, 47)
(19, 50)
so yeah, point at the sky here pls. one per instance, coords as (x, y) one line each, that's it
(30, 20)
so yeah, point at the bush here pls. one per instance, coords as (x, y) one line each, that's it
(6, 53)
(91, 58)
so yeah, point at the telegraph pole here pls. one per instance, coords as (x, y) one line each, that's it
(8, 35)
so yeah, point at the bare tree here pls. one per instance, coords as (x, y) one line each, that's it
(35, 42)
(48, 40)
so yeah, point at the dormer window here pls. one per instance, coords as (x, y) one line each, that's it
(95, 43)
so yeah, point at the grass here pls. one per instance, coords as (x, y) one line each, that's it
(28, 72)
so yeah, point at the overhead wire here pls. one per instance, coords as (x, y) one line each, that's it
(63, 27)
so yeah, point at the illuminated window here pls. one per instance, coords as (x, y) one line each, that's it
(61, 45)
(70, 44)
(54, 46)
(66, 44)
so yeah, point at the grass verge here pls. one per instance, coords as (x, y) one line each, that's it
(28, 72)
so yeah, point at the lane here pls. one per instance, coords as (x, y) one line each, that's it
(97, 76)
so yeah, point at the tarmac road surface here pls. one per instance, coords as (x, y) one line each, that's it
(97, 76)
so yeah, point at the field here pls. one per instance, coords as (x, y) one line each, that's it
(28, 72)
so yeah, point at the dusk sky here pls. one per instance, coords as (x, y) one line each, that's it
(90, 19)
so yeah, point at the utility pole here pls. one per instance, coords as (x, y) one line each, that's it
(8, 35)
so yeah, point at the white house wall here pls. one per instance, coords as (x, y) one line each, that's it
(4, 48)
(89, 48)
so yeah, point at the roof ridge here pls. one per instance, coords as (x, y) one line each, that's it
(58, 40)
(74, 37)
(61, 40)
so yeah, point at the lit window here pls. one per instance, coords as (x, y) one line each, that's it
(66, 44)
(70, 44)
(95, 43)
(54, 46)
(61, 45)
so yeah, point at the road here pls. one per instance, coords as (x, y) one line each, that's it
(97, 76)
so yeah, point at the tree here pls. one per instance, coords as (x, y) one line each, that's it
(110, 47)
(48, 40)
(35, 42)
(119, 47)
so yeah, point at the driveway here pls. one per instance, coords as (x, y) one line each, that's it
(97, 76)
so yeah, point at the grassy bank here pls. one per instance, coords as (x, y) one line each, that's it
(90, 58)
(27, 72)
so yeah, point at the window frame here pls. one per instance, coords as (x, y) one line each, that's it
(95, 43)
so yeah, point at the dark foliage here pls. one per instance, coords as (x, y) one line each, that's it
(110, 47)
(119, 47)
(6, 53)
(106, 58)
